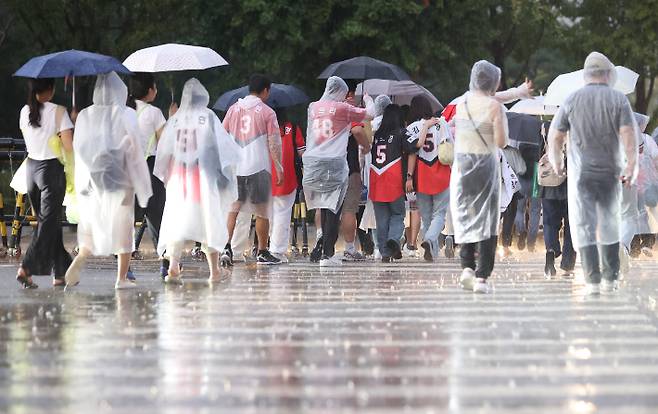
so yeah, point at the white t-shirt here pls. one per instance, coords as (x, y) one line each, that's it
(36, 139)
(149, 119)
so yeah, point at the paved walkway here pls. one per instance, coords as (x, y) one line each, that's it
(367, 338)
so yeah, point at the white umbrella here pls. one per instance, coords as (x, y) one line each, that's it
(401, 91)
(567, 83)
(172, 57)
(534, 106)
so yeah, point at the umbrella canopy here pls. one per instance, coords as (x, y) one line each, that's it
(567, 83)
(70, 63)
(172, 57)
(364, 67)
(281, 96)
(533, 106)
(401, 91)
(524, 129)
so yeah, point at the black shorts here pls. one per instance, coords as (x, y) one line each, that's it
(255, 188)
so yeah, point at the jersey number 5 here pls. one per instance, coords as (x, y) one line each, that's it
(381, 154)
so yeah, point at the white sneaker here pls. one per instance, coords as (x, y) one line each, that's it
(410, 252)
(281, 256)
(331, 261)
(467, 279)
(125, 284)
(608, 287)
(481, 286)
(592, 289)
(173, 280)
(378, 255)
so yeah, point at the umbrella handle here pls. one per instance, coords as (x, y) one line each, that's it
(73, 93)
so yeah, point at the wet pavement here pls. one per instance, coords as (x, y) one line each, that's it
(365, 338)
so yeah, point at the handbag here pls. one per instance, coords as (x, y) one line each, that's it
(515, 160)
(546, 175)
(446, 152)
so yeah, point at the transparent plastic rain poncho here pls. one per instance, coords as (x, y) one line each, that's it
(593, 117)
(110, 169)
(325, 158)
(196, 161)
(475, 181)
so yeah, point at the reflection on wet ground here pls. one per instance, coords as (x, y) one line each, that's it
(361, 338)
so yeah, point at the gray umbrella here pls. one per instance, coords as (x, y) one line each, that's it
(364, 67)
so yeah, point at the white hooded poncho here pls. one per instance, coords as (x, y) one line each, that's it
(196, 161)
(109, 169)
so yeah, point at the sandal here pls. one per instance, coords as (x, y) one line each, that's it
(25, 280)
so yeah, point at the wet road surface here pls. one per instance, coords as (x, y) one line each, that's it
(366, 338)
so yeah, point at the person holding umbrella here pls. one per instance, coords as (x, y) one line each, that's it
(325, 160)
(253, 126)
(41, 121)
(110, 172)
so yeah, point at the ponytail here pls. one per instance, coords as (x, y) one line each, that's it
(37, 86)
(131, 102)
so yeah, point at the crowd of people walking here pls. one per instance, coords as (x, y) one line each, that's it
(389, 177)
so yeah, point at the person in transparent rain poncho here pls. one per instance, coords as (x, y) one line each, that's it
(254, 127)
(325, 160)
(602, 150)
(110, 170)
(196, 161)
(475, 179)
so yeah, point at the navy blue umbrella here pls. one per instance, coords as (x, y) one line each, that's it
(281, 96)
(364, 67)
(70, 63)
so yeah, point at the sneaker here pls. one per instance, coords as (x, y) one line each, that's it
(467, 279)
(137, 255)
(265, 258)
(410, 251)
(378, 254)
(480, 286)
(521, 242)
(281, 256)
(125, 284)
(567, 273)
(173, 280)
(368, 246)
(647, 252)
(130, 275)
(549, 267)
(450, 247)
(609, 287)
(330, 261)
(386, 259)
(353, 256)
(316, 253)
(226, 259)
(592, 289)
(394, 247)
(428, 251)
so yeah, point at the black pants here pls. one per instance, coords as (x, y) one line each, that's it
(508, 220)
(600, 262)
(330, 227)
(155, 206)
(556, 215)
(46, 186)
(486, 256)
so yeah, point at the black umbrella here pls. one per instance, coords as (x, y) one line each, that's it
(364, 67)
(281, 96)
(524, 129)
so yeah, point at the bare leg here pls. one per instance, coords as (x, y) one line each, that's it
(348, 228)
(262, 230)
(414, 228)
(123, 262)
(175, 250)
(213, 265)
(72, 276)
(230, 224)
